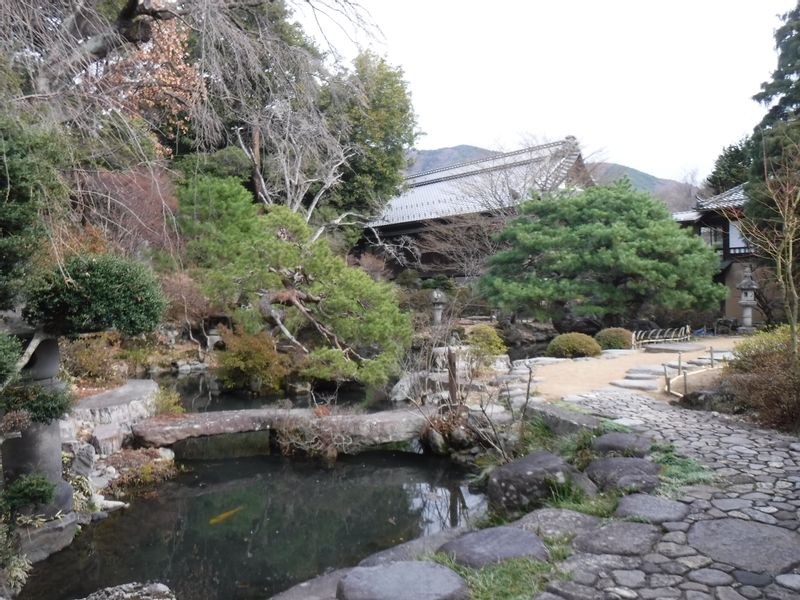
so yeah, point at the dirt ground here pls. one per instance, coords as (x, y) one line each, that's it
(574, 377)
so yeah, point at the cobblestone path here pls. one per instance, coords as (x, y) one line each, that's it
(740, 539)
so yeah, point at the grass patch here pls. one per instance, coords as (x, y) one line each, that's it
(569, 497)
(608, 426)
(572, 406)
(678, 471)
(574, 448)
(516, 579)
(558, 547)
(493, 519)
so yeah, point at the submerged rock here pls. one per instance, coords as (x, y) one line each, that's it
(134, 591)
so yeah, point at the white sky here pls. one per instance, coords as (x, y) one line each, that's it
(658, 86)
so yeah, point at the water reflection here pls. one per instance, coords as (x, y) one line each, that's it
(202, 392)
(251, 528)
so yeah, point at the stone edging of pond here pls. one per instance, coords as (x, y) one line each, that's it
(734, 539)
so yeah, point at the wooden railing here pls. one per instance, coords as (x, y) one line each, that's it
(660, 336)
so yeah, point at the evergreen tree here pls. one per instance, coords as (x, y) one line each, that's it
(268, 270)
(382, 130)
(732, 167)
(609, 252)
(29, 180)
(782, 92)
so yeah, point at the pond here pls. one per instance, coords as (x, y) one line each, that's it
(250, 528)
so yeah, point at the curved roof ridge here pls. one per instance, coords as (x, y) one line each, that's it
(493, 156)
(733, 197)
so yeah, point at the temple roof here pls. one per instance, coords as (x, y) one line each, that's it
(732, 198)
(492, 183)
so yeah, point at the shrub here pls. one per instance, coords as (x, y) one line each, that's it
(10, 350)
(614, 338)
(42, 404)
(572, 345)
(485, 339)
(766, 378)
(29, 490)
(251, 360)
(408, 278)
(100, 292)
(485, 344)
(168, 402)
(90, 358)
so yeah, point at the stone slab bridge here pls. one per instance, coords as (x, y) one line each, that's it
(346, 432)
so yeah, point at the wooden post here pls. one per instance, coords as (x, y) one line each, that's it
(452, 376)
(711, 352)
(680, 363)
(685, 383)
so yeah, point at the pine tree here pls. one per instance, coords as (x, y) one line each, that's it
(782, 92)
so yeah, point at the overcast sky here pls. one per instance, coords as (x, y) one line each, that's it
(658, 86)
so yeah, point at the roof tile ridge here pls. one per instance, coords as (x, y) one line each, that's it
(494, 156)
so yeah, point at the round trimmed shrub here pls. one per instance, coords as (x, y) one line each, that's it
(614, 338)
(100, 292)
(573, 345)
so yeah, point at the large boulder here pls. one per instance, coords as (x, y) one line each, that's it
(37, 543)
(524, 484)
(496, 544)
(626, 474)
(405, 580)
(624, 444)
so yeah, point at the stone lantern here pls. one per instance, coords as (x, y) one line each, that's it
(748, 288)
(438, 299)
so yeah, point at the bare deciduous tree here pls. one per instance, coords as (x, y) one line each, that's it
(82, 59)
(775, 232)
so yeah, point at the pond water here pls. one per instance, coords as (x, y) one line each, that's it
(250, 528)
(202, 392)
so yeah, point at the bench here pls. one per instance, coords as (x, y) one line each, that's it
(661, 336)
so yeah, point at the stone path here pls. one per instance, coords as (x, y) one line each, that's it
(738, 539)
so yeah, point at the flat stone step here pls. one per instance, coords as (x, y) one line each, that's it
(651, 369)
(617, 353)
(646, 385)
(402, 580)
(674, 348)
(651, 508)
(488, 546)
(639, 376)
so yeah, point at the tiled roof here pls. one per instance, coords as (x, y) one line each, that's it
(686, 216)
(733, 198)
(477, 186)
